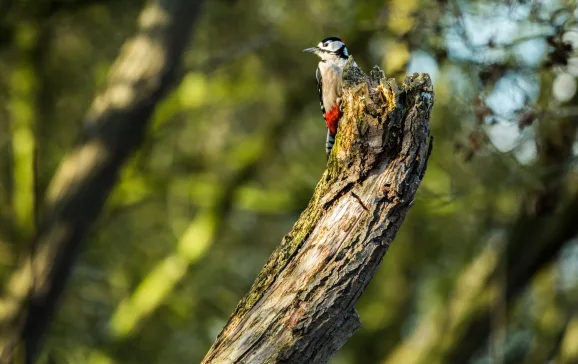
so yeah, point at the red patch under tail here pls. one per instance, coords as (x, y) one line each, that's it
(332, 119)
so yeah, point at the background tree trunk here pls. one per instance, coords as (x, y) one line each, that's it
(301, 307)
(114, 128)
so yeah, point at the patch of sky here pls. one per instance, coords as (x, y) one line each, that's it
(511, 93)
(422, 62)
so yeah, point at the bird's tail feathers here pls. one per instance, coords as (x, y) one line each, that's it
(329, 141)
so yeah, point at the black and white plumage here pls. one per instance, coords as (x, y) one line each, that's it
(334, 55)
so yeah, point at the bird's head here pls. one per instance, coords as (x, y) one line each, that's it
(329, 49)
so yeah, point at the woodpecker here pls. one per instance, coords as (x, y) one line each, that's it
(334, 55)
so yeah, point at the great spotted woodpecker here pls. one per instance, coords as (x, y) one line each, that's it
(334, 55)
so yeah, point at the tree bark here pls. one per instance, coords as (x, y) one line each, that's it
(301, 307)
(114, 128)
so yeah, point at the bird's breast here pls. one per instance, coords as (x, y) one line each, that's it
(331, 75)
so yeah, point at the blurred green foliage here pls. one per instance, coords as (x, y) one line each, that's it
(236, 149)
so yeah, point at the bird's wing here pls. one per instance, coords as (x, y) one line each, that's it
(320, 90)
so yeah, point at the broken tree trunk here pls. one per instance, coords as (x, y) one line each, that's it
(301, 307)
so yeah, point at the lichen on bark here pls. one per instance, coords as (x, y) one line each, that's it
(300, 308)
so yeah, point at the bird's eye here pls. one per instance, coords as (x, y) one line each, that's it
(325, 44)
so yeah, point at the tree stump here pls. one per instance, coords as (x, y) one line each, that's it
(301, 307)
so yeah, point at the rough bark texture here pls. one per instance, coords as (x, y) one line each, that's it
(301, 306)
(114, 128)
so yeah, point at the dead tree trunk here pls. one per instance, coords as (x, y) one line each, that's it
(301, 306)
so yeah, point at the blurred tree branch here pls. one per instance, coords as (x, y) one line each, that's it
(114, 128)
(18, 201)
(568, 350)
(300, 308)
(550, 317)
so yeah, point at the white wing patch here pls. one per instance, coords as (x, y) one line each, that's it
(320, 90)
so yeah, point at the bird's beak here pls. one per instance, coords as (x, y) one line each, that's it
(311, 50)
